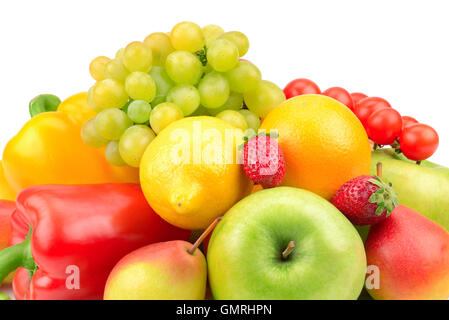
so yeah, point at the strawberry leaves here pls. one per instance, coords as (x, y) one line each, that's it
(385, 197)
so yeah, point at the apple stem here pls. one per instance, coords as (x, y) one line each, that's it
(203, 236)
(290, 247)
(379, 169)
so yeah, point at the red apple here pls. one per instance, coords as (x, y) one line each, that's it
(411, 253)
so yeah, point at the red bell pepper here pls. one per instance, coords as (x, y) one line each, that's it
(6, 209)
(76, 235)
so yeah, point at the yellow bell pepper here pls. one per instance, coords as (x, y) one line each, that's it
(49, 150)
(6, 193)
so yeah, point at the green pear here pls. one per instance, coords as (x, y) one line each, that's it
(424, 187)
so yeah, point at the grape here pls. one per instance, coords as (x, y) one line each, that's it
(163, 84)
(111, 123)
(115, 70)
(109, 93)
(234, 118)
(214, 90)
(134, 142)
(137, 57)
(251, 118)
(164, 114)
(96, 67)
(186, 97)
(161, 47)
(140, 86)
(139, 111)
(90, 100)
(239, 39)
(222, 55)
(234, 102)
(211, 32)
(187, 36)
(184, 67)
(208, 68)
(263, 98)
(112, 154)
(244, 77)
(119, 53)
(90, 135)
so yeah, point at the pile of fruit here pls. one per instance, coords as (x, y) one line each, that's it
(182, 170)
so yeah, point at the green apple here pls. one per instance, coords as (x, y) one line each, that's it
(249, 256)
(424, 187)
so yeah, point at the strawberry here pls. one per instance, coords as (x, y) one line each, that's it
(366, 200)
(263, 160)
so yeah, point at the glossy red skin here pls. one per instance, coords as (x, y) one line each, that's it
(419, 141)
(357, 97)
(20, 284)
(408, 121)
(367, 106)
(89, 226)
(384, 126)
(412, 254)
(299, 87)
(6, 210)
(340, 94)
(352, 199)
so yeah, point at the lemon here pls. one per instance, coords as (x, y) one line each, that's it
(191, 173)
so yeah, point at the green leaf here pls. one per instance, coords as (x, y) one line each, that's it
(379, 210)
(390, 207)
(376, 182)
(373, 198)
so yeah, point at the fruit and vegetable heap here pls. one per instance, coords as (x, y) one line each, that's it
(183, 174)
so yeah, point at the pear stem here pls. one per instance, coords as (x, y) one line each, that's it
(203, 236)
(290, 247)
(379, 169)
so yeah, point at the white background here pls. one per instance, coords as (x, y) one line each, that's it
(394, 49)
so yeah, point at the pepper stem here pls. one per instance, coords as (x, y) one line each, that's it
(16, 256)
(4, 297)
(43, 103)
(290, 247)
(203, 236)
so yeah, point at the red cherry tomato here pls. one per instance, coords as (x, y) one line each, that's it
(341, 95)
(384, 126)
(357, 96)
(367, 106)
(298, 87)
(408, 121)
(419, 141)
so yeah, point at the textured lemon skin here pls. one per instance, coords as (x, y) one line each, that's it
(190, 173)
(323, 142)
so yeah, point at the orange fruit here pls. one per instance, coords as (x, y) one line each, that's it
(323, 142)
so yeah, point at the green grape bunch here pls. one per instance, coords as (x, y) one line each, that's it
(189, 71)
